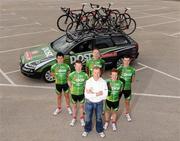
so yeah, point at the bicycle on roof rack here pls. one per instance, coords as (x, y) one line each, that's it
(103, 19)
(99, 20)
(69, 16)
(125, 22)
(93, 22)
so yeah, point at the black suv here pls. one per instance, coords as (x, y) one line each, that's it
(37, 61)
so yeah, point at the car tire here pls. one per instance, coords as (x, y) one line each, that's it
(47, 76)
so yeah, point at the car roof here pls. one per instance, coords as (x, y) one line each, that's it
(103, 35)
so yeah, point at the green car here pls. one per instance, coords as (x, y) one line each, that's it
(36, 62)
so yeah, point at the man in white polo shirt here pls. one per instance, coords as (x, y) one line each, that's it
(95, 92)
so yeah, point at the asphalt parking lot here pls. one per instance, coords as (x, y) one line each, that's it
(26, 104)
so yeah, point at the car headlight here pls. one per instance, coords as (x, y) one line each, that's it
(38, 63)
(33, 64)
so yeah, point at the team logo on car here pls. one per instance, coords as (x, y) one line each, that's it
(28, 55)
(109, 54)
(82, 57)
(47, 52)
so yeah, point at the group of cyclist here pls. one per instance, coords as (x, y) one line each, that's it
(91, 91)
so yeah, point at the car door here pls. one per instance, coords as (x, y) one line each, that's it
(81, 51)
(106, 47)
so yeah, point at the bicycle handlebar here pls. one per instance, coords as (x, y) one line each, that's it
(65, 9)
(126, 9)
(94, 6)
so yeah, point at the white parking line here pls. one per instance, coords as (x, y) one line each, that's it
(174, 34)
(19, 25)
(167, 17)
(155, 95)
(130, 6)
(155, 9)
(12, 13)
(12, 50)
(158, 24)
(43, 87)
(11, 19)
(25, 18)
(141, 28)
(30, 33)
(141, 68)
(162, 15)
(160, 71)
(26, 86)
(7, 78)
(10, 72)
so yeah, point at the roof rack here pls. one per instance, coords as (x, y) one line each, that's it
(75, 37)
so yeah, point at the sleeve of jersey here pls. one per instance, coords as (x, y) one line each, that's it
(134, 72)
(119, 68)
(108, 85)
(70, 77)
(103, 62)
(69, 69)
(86, 76)
(122, 86)
(87, 63)
(53, 68)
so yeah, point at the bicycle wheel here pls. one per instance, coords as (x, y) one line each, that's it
(74, 31)
(113, 17)
(90, 20)
(131, 27)
(63, 21)
(122, 23)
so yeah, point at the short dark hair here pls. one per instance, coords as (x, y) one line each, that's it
(78, 62)
(59, 54)
(127, 56)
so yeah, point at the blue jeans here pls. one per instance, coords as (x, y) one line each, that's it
(90, 107)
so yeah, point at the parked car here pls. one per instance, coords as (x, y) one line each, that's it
(36, 62)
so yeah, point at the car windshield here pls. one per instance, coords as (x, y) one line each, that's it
(61, 44)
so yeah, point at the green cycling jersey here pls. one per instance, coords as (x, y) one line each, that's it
(77, 80)
(127, 73)
(60, 72)
(114, 89)
(90, 64)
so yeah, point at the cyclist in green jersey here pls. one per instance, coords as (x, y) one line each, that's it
(127, 73)
(115, 87)
(76, 82)
(96, 61)
(60, 72)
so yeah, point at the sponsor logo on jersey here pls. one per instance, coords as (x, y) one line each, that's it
(116, 88)
(127, 74)
(61, 71)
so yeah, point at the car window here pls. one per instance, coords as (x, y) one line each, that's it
(103, 43)
(82, 47)
(119, 40)
(61, 44)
